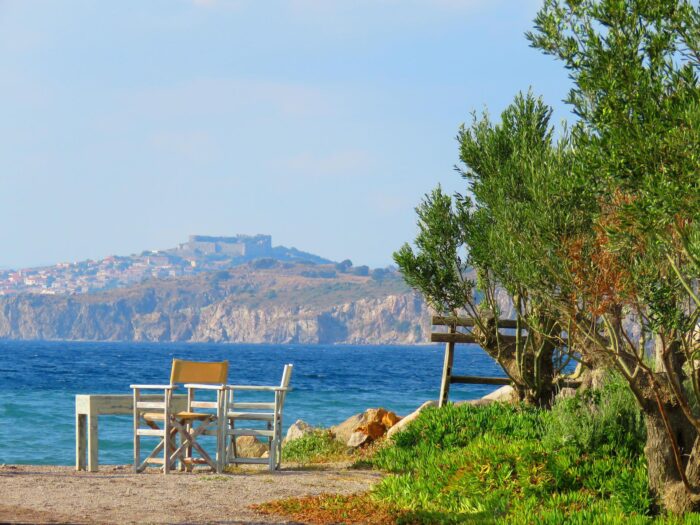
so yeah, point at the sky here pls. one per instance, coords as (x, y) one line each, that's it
(129, 125)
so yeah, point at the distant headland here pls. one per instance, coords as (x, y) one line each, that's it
(217, 289)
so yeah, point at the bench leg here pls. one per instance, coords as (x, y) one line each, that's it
(92, 443)
(80, 439)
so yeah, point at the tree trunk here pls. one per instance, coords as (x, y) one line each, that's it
(665, 480)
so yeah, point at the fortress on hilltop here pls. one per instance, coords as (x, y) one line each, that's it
(238, 246)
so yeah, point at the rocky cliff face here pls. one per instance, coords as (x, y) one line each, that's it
(392, 319)
(254, 307)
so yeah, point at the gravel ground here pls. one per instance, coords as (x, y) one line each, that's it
(49, 494)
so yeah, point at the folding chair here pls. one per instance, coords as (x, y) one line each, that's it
(167, 424)
(269, 413)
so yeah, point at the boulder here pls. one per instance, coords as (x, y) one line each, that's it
(374, 430)
(400, 425)
(344, 430)
(250, 447)
(390, 419)
(505, 393)
(371, 424)
(297, 430)
(357, 439)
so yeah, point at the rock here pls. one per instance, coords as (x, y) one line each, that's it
(400, 425)
(374, 430)
(250, 447)
(297, 430)
(505, 393)
(357, 439)
(344, 430)
(373, 424)
(390, 419)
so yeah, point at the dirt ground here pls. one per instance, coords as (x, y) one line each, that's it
(48, 494)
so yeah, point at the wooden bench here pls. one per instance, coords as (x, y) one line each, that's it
(87, 409)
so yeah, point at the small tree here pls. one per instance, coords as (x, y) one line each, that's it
(504, 165)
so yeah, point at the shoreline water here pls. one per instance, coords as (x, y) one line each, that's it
(330, 384)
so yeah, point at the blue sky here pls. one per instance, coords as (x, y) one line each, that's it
(130, 124)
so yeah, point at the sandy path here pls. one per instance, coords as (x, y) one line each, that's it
(33, 494)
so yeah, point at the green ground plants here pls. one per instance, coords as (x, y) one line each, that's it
(580, 463)
(317, 447)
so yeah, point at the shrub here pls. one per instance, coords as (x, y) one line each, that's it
(315, 447)
(595, 420)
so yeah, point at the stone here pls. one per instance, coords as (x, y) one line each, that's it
(250, 447)
(344, 430)
(505, 393)
(373, 429)
(357, 439)
(400, 425)
(390, 419)
(299, 429)
(373, 423)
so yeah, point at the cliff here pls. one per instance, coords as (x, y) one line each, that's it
(279, 303)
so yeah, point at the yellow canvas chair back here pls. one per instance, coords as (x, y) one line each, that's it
(198, 372)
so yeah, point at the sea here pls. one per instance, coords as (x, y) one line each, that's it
(40, 379)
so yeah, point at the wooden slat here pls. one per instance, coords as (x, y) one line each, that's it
(441, 320)
(150, 432)
(204, 404)
(258, 406)
(150, 404)
(475, 380)
(447, 320)
(440, 337)
(251, 416)
(250, 461)
(251, 432)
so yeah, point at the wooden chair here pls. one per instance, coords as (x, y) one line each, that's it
(269, 413)
(164, 422)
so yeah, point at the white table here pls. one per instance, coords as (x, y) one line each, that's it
(87, 409)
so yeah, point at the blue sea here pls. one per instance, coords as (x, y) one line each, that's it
(39, 381)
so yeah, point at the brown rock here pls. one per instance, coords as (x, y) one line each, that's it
(373, 429)
(400, 425)
(390, 419)
(344, 430)
(250, 447)
(373, 423)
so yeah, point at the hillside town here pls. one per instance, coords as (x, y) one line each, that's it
(200, 254)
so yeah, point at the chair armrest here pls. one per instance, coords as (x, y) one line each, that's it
(205, 386)
(259, 388)
(152, 387)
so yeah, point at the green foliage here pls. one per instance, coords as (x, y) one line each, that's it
(436, 267)
(501, 463)
(316, 447)
(606, 419)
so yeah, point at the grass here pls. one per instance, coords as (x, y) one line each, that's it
(316, 447)
(580, 463)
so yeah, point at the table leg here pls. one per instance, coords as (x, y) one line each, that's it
(80, 438)
(92, 443)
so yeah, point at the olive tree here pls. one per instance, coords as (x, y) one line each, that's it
(630, 281)
(468, 251)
